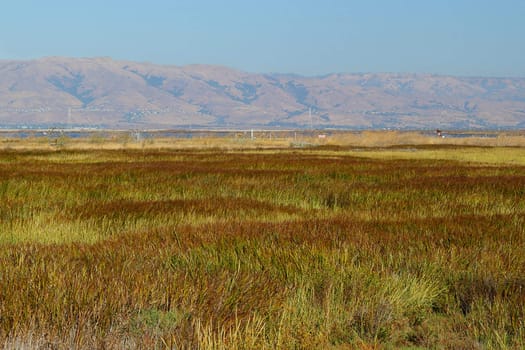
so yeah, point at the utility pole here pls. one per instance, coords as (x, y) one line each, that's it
(311, 120)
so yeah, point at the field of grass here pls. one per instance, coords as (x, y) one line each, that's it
(316, 248)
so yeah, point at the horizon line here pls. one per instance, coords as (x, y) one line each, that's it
(322, 75)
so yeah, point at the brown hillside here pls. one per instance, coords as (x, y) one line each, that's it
(101, 92)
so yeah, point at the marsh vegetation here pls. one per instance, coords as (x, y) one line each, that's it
(323, 247)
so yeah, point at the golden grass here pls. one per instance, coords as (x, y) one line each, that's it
(492, 155)
(263, 140)
(395, 138)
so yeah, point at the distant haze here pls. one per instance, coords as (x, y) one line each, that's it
(107, 93)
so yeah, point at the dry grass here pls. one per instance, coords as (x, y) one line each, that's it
(263, 140)
(396, 138)
(260, 249)
(494, 155)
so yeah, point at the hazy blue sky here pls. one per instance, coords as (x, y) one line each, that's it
(460, 37)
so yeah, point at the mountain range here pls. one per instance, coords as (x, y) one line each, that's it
(107, 93)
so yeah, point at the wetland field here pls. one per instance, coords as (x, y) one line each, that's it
(262, 244)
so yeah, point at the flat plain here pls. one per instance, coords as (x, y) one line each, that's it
(262, 245)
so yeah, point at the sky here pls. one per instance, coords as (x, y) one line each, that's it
(307, 37)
